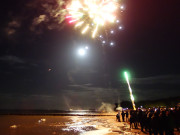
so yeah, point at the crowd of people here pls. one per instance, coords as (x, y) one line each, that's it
(155, 121)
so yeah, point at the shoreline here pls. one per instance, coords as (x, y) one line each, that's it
(67, 125)
(65, 113)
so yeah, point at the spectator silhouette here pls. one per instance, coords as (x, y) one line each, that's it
(118, 118)
(155, 123)
(123, 114)
(127, 116)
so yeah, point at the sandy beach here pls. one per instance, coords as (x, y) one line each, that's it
(64, 125)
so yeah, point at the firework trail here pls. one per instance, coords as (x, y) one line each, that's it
(130, 90)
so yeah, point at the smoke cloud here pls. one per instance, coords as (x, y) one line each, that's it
(37, 16)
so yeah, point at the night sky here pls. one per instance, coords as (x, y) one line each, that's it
(40, 67)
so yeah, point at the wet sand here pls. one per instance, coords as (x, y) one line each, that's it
(64, 125)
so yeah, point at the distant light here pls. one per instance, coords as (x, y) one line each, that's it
(117, 21)
(120, 27)
(86, 47)
(111, 44)
(103, 42)
(49, 69)
(122, 7)
(81, 52)
(112, 31)
(100, 36)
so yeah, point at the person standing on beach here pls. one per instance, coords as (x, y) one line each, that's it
(118, 117)
(177, 118)
(127, 116)
(163, 123)
(149, 122)
(131, 118)
(155, 123)
(123, 114)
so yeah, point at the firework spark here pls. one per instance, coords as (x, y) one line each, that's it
(92, 14)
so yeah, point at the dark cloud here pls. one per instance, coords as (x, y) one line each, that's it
(12, 59)
(168, 79)
(36, 16)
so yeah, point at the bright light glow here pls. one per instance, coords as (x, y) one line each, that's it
(81, 52)
(85, 29)
(111, 43)
(86, 47)
(130, 90)
(95, 31)
(73, 21)
(103, 42)
(92, 14)
(112, 31)
(79, 24)
(120, 27)
(122, 7)
(117, 21)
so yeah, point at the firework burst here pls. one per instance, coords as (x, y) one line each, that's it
(91, 15)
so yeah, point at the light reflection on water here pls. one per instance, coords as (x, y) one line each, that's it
(80, 125)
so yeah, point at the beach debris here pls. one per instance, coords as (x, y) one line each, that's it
(41, 120)
(13, 126)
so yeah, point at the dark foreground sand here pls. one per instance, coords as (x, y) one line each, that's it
(64, 125)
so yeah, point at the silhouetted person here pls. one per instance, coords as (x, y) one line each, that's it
(158, 111)
(163, 123)
(177, 118)
(171, 126)
(143, 121)
(118, 118)
(127, 116)
(155, 123)
(149, 124)
(123, 114)
(136, 119)
(131, 119)
(140, 115)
